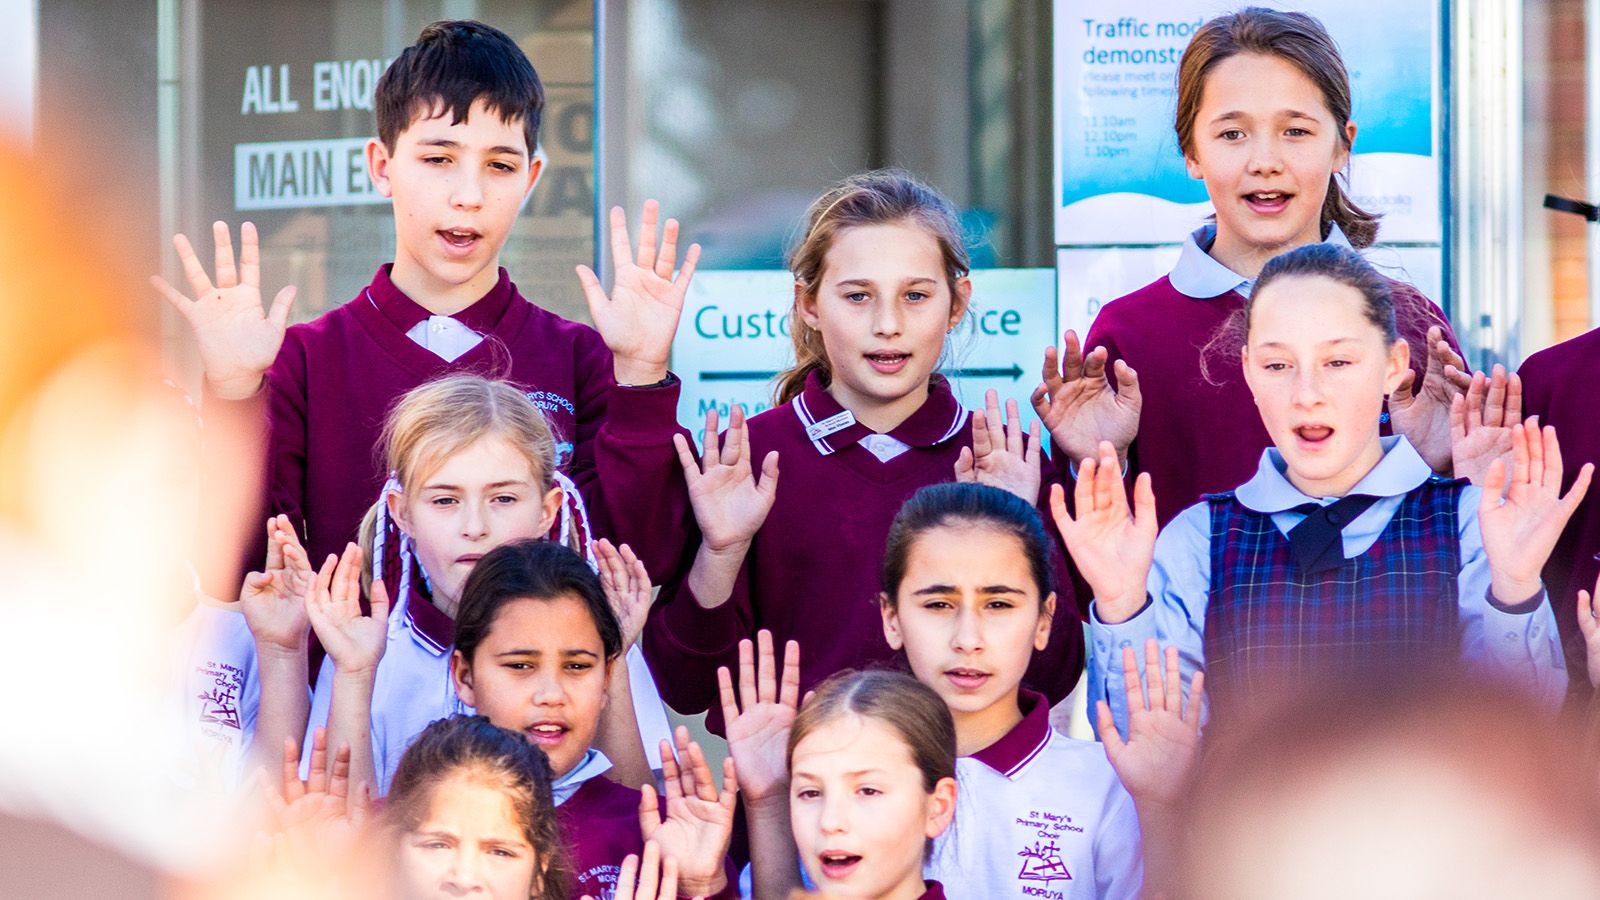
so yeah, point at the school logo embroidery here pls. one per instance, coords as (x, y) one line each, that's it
(1042, 862)
(219, 701)
(550, 402)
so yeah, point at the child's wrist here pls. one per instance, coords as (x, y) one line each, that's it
(235, 387)
(702, 887)
(270, 651)
(1118, 609)
(635, 372)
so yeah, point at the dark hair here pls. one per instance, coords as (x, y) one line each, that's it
(500, 759)
(905, 705)
(954, 503)
(542, 570)
(1299, 40)
(1331, 261)
(453, 65)
(880, 197)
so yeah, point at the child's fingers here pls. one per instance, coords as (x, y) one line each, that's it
(1152, 673)
(670, 776)
(1586, 615)
(1513, 398)
(193, 271)
(1494, 402)
(705, 786)
(274, 546)
(769, 476)
(292, 787)
(339, 777)
(1127, 384)
(1083, 489)
(379, 601)
(1094, 366)
(1130, 682)
(1108, 729)
(621, 253)
(747, 674)
(691, 467)
(727, 798)
(1049, 376)
(227, 274)
(1173, 682)
(1058, 505)
(647, 235)
(667, 257)
(1536, 461)
(1013, 427)
(1197, 700)
(1071, 357)
(742, 445)
(966, 471)
(1551, 450)
(282, 303)
(1519, 455)
(648, 868)
(709, 443)
(1034, 443)
(1494, 483)
(318, 783)
(1144, 499)
(686, 271)
(766, 669)
(1580, 486)
(669, 880)
(649, 809)
(173, 296)
(789, 685)
(730, 707)
(1108, 492)
(249, 254)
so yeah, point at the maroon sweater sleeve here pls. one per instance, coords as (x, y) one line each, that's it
(686, 643)
(640, 497)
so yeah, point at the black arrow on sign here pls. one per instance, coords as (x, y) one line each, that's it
(1014, 373)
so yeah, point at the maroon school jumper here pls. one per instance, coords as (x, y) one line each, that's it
(1556, 386)
(336, 378)
(1199, 436)
(600, 823)
(813, 571)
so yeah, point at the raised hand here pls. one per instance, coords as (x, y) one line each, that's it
(997, 457)
(627, 587)
(699, 820)
(1423, 414)
(729, 504)
(355, 642)
(758, 736)
(1589, 625)
(640, 316)
(1481, 421)
(1162, 746)
(320, 817)
(274, 600)
(1520, 531)
(237, 341)
(652, 878)
(1112, 547)
(1078, 406)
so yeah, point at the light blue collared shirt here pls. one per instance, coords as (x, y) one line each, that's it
(1199, 275)
(1521, 646)
(593, 765)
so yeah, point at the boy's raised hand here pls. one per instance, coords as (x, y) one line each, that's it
(1112, 548)
(274, 600)
(729, 504)
(1078, 406)
(1162, 746)
(627, 587)
(997, 456)
(320, 817)
(355, 642)
(699, 821)
(640, 316)
(237, 341)
(1481, 421)
(758, 736)
(1422, 414)
(1520, 530)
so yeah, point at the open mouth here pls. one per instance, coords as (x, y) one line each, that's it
(1313, 435)
(836, 866)
(1267, 201)
(460, 238)
(546, 734)
(967, 679)
(887, 362)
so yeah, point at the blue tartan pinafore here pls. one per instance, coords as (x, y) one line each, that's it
(1268, 623)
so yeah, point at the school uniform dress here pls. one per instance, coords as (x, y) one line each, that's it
(336, 378)
(812, 573)
(1039, 814)
(600, 822)
(1558, 387)
(1200, 434)
(1414, 583)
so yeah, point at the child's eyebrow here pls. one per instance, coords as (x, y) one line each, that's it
(516, 482)
(581, 652)
(934, 589)
(449, 144)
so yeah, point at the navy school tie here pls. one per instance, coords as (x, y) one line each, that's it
(1317, 543)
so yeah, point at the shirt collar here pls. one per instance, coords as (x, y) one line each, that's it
(594, 764)
(429, 625)
(1270, 491)
(482, 316)
(1012, 753)
(832, 428)
(1199, 275)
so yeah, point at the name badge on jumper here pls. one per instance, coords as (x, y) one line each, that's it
(833, 423)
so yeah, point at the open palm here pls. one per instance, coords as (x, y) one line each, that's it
(999, 457)
(274, 600)
(699, 821)
(729, 505)
(1078, 406)
(1481, 421)
(1161, 748)
(356, 642)
(1422, 413)
(640, 316)
(627, 587)
(236, 339)
(758, 735)
(1112, 548)
(1520, 531)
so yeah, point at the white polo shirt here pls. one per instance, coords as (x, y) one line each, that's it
(219, 694)
(1039, 815)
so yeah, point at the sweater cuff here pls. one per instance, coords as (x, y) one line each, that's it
(648, 412)
(697, 631)
(1521, 608)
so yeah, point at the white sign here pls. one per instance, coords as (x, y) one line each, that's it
(298, 174)
(734, 339)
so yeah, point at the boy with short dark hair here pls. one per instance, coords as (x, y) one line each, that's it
(458, 117)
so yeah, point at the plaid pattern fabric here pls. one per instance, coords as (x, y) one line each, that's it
(1267, 621)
